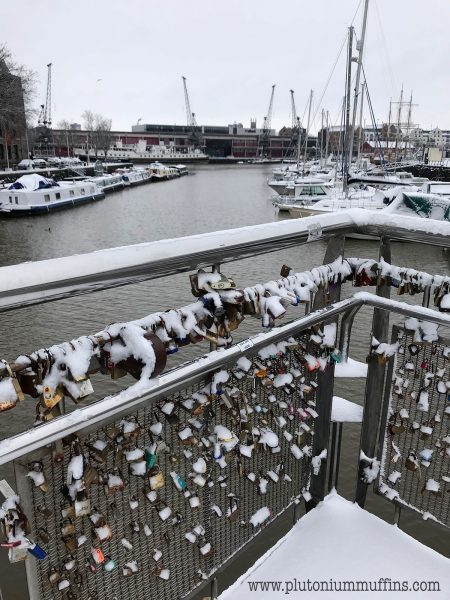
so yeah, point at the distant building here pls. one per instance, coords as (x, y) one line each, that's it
(217, 141)
(12, 118)
(75, 126)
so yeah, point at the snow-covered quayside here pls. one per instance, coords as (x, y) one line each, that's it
(170, 470)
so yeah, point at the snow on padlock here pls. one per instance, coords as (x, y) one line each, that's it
(194, 501)
(273, 476)
(165, 513)
(262, 485)
(206, 549)
(433, 486)
(157, 554)
(130, 568)
(199, 530)
(296, 452)
(138, 468)
(260, 516)
(394, 477)
(246, 450)
(156, 428)
(223, 434)
(167, 408)
(164, 574)
(133, 455)
(216, 509)
(200, 465)
(199, 480)
(185, 433)
(268, 438)
(126, 544)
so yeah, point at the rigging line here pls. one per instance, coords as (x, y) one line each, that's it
(372, 115)
(385, 47)
(319, 104)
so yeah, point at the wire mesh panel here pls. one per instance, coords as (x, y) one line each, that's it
(173, 490)
(415, 466)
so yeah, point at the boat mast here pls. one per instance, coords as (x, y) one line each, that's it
(360, 134)
(360, 48)
(408, 127)
(388, 135)
(399, 116)
(346, 147)
(326, 139)
(321, 140)
(307, 131)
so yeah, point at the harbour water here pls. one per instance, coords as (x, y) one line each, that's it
(211, 198)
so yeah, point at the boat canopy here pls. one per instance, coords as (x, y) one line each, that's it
(32, 182)
(428, 206)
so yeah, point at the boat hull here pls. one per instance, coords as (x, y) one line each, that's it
(44, 209)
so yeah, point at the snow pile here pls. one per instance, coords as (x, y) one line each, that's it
(344, 411)
(359, 547)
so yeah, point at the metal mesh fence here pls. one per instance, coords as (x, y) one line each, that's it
(174, 536)
(415, 467)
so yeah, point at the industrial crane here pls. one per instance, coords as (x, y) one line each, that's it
(194, 136)
(292, 150)
(263, 143)
(45, 114)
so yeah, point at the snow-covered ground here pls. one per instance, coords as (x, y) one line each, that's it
(339, 541)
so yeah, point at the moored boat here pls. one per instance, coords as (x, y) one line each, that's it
(108, 183)
(34, 194)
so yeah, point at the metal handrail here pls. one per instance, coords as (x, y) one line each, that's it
(177, 379)
(53, 279)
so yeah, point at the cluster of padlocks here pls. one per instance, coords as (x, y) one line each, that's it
(182, 477)
(416, 459)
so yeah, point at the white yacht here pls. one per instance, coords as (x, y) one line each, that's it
(33, 194)
(142, 153)
(309, 191)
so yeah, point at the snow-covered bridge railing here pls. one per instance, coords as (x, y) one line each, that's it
(53, 279)
(193, 463)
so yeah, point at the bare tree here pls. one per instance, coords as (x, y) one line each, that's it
(66, 137)
(99, 131)
(17, 89)
(103, 133)
(88, 123)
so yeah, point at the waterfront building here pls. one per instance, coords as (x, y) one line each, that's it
(12, 118)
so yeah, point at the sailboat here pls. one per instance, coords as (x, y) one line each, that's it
(342, 196)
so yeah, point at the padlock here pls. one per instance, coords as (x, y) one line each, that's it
(54, 575)
(84, 388)
(51, 397)
(156, 479)
(67, 528)
(82, 505)
(14, 381)
(109, 565)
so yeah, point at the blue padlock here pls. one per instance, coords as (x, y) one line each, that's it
(37, 551)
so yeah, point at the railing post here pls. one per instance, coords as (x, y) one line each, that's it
(325, 380)
(373, 402)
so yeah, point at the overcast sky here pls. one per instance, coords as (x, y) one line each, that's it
(125, 59)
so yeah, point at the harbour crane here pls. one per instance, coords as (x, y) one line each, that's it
(292, 150)
(194, 136)
(45, 114)
(263, 144)
(294, 111)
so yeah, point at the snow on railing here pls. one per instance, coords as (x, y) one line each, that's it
(140, 347)
(33, 283)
